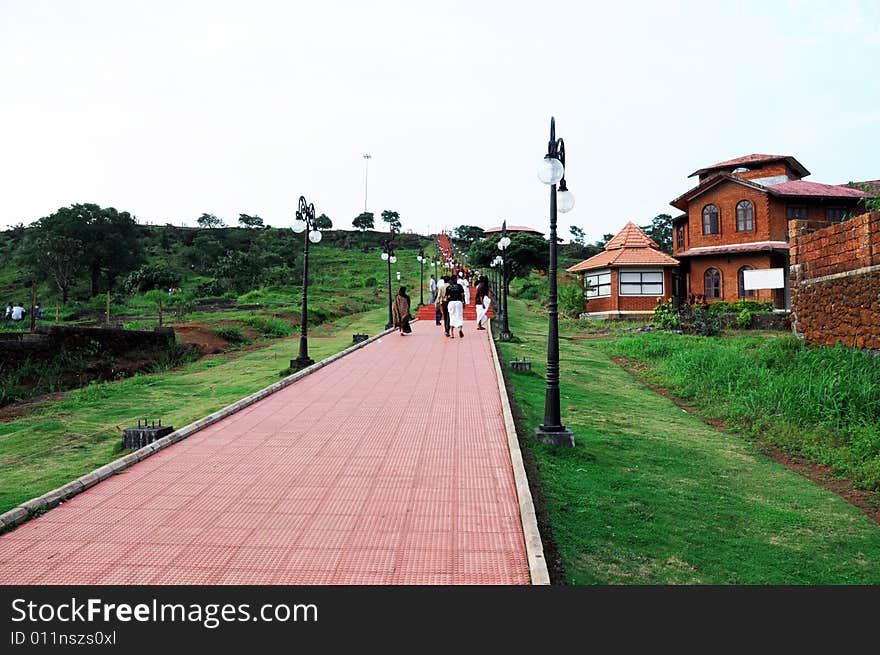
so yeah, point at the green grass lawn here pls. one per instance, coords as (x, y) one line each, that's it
(61, 440)
(652, 495)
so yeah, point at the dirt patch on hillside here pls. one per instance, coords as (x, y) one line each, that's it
(865, 500)
(201, 336)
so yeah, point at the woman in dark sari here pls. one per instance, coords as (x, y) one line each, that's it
(400, 310)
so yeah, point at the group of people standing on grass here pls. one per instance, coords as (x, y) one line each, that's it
(449, 295)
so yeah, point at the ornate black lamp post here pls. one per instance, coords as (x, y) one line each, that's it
(503, 243)
(305, 224)
(388, 256)
(552, 171)
(422, 260)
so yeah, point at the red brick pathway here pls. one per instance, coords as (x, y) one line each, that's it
(389, 466)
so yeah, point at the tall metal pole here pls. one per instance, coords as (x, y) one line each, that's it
(367, 158)
(389, 252)
(552, 430)
(421, 277)
(505, 333)
(305, 212)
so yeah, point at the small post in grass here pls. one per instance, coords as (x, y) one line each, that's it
(107, 313)
(56, 314)
(33, 306)
(160, 311)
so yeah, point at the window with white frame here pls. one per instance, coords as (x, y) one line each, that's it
(598, 284)
(644, 282)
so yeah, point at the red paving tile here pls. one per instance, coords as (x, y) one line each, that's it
(387, 467)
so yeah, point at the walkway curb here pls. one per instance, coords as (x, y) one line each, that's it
(36, 506)
(534, 548)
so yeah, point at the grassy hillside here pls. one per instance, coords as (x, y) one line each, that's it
(653, 495)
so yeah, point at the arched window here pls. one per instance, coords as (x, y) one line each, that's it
(712, 283)
(743, 292)
(710, 219)
(745, 216)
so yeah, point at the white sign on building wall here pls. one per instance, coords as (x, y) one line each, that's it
(764, 278)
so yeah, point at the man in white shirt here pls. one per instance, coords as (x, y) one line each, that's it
(462, 280)
(18, 313)
(438, 315)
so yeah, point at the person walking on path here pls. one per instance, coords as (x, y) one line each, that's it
(18, 313)
(455, 308)
(483, 300)
(433, 290)
(400, 310)
(463, 281)
(442, 304)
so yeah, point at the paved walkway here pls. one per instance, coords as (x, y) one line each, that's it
(390, 466)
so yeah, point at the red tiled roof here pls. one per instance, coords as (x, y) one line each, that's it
(793, 188)
(514, 228)
(757, 246)
(631, 237)
(803, 188)
(629, 247)
(755, 159)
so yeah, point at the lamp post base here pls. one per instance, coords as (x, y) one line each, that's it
(389, 325)
(558, 437)
(301, 362)
(505, 335)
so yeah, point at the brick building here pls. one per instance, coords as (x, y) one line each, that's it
(628, 277)
(736, 219)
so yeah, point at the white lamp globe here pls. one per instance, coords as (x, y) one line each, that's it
(565, 201)
(314, 236)
(384, 256)
(393, 259)
(299, 226)
(551, 170)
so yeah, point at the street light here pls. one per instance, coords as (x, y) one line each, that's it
(503, 244)
(422, 260)
(496, 286)
(551, 172)
(388, 256)
(305, 224)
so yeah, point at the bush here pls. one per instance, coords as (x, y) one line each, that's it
(719, 307)
(370, 282)
(232, 334)
(149, 277)
(572, 302)
(209, 289)
(273, 328)
(744, 320)
(696, 320)
(666, 317)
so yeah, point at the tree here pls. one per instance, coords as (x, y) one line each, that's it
(525, 253)
(469, 233)
(577, 235)
(210, 221)
(53, 257)
(393, 220)
(244, 220)
(363, 221)
(107, 243)
(660, 230)
(323, 222)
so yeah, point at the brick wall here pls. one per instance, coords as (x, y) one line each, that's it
(835, 275)
(725, 196)
(729, 266)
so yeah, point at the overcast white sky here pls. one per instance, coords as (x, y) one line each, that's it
(171, 109)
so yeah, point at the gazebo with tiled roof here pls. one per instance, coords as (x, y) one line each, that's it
(627, 278)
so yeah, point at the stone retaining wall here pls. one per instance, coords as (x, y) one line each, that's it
(835, 282)
(49, 341)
